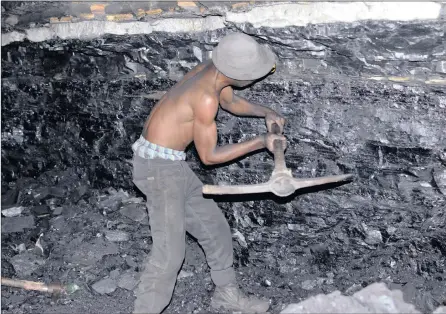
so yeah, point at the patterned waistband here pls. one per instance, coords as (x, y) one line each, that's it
(145, 149)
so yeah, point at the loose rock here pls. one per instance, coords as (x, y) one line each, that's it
(10, 197)
(105, 286)
(90, 253)
(130, 262)
(117, 236)
(240, 238)
(13, 211)
(309, 284)
(373, 237)
(41, 210)
(441, 67)
(376, 298)
(440, 179)
(128, 281)
(57, 211)
(114, 274)
(26, 263)
(135, 212)
(113, 202)
(17, 224)
(184, 274)
(12, 20)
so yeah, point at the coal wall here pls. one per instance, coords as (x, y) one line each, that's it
(362, 97)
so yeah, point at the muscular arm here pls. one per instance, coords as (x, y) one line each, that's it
(240, 106)
(205, 137)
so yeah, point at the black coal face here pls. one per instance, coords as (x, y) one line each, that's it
(71, 110)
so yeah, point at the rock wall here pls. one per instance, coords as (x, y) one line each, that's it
(365, 97)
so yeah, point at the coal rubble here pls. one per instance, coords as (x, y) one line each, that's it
(71, 110)
(64, 231)
(98, 238)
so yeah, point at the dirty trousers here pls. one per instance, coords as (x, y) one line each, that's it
(175, 205)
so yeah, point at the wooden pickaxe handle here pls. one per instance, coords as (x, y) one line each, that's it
(279, 151)
(32, 285)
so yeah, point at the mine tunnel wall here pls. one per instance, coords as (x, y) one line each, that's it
(366, 98)
(357, 97)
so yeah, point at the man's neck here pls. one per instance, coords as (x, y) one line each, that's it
(220, 81)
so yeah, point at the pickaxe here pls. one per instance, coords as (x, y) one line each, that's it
(281, 182)
(55, 289)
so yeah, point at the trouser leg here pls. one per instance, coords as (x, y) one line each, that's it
(163, 184)
(206, 222)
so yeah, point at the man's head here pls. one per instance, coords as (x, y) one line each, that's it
(240, 58)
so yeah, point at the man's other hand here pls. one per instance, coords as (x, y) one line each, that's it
(271, 137)
(273, 117)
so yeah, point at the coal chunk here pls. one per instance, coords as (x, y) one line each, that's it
(58, 192)
(78, 193)
(57, 211)
(10, 197)
(111, 203)
(26, 263)
(41, 210)
(90, 253)
(114, 274)
(41, 193)
(440, 180)
(17, 224)
(59, 223)
(136, 212)
(309, 284)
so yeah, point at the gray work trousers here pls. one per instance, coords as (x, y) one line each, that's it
(175, 205)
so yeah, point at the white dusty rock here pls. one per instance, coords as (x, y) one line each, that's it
(440, 310)
(376, 298)
(373, 237)
(184, 274)
(105, 286)
(13, 211)
(301, 14)
(117, 236)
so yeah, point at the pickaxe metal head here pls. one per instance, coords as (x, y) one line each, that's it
(281, 182)
(281, 185)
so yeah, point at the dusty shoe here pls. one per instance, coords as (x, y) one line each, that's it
(230, 297)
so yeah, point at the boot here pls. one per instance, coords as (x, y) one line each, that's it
(230, 297)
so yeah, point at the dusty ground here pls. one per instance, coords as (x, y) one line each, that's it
(77, 245)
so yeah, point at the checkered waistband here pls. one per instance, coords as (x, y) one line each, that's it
(145, 149)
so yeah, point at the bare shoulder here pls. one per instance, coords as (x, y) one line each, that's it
(205, 106)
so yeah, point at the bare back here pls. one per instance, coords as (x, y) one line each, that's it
(186, 113)
(171, 122)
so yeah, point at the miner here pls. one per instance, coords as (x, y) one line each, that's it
(175, 203)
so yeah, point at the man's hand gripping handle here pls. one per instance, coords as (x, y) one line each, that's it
(279, 151)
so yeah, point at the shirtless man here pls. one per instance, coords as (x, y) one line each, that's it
(175, 202)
